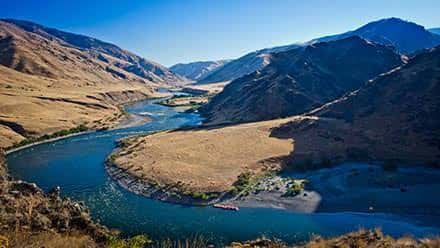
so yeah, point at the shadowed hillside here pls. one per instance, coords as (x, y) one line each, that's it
(395, 117)
(301, 79)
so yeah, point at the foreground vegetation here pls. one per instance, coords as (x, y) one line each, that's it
(27, 141)
(359, 239)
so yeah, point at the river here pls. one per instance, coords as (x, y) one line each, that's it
(76, 164)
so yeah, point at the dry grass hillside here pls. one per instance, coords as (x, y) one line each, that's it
(204, 160)
(48, 84)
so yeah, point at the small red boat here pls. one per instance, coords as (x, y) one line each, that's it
(227, 207)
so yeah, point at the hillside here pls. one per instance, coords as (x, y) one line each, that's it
(48, 85)
(196, 71)
(124, 62)
(394, 117)
(406, 37)
(244, 65)
(299, 80)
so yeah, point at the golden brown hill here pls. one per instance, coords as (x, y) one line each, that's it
(48, 84)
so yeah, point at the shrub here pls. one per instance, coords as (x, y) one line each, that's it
(200, 196)
(296, 188)
(138, 241)
(27, 141)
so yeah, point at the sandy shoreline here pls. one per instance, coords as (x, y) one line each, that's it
(359, 188)
(348, 187)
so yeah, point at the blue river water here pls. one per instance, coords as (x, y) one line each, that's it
(76, 164)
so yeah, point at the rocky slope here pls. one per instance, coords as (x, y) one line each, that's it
(26, 212)
(299, 80)
(244, 65)
(405, 36)
(395, 117)
(196, 71)
(53, 80)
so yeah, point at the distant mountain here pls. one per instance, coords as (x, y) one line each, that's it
(244, 65)
(406, 37)
(116, 58)
(197, 70)
(301, 79)
(395, 117)
(434, 30)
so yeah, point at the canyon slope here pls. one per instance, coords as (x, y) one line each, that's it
(395, 117)
(196, 71)
(301, 79)
(244, 65)
(53, 80)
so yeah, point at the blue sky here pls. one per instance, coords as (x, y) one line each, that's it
(188, 30)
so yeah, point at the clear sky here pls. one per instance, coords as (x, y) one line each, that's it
(172, 31)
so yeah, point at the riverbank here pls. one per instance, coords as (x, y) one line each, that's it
(46, 141)
(122, 120)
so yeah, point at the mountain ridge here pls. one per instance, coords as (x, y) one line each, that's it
(198, 70)
(141, 67)
(407, 37)
(300, 79)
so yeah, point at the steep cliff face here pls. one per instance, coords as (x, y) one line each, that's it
(394, 117)
(301, 79)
